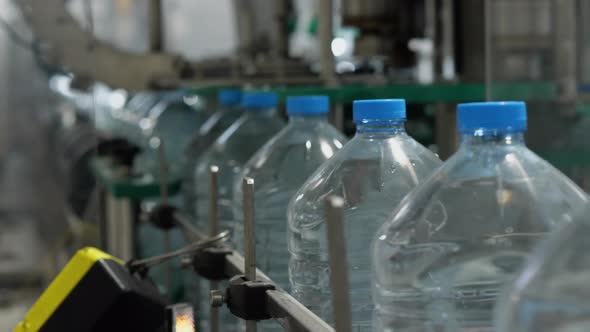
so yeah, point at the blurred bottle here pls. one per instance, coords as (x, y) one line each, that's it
(441, 260)
(552, 293)
(126, 120)
(373, 173)
(169, 125)
(230, 152)
(172, 122)
(279, 169)
(227, 113)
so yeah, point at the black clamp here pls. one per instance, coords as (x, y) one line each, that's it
(162, 216)
(246, 299)
(121, 151)
(210, 262)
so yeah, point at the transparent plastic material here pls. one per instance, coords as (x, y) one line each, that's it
(279, 169)
(127, 119)
(172, 122)
(373, 172)
(230, 152)
(215, 125)
(454, 242)
(552, 293)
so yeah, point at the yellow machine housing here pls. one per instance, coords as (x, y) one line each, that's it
(95, 292)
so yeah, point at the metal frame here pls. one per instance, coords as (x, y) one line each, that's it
(64, 43)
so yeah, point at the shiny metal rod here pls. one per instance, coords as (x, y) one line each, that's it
(213, 200)
(249, 238)
(163, 164)
(338, 264)
(163, 170)
(249, 232)
(488, 48)
(213, 229)
(326, 35)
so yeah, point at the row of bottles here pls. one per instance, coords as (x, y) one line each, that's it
(453, 244)
(430, 245)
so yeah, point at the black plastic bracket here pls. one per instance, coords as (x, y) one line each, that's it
(210, 263)
(120, 150)
(247, 299)
(162, 216)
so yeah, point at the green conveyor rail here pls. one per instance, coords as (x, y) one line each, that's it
(567, 158)
(136, 188)
(422, 94)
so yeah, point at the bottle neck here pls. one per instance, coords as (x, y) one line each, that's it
(381, 127)
(492, 137)
(306, 120)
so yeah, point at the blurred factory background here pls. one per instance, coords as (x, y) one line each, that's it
(59, 72)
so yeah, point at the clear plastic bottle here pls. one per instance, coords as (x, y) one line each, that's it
(171, 121)
(454, 242)
(227, 113)
(279, 169)
(552, 294)
(230, 152)
(127, 119)
(373, 172)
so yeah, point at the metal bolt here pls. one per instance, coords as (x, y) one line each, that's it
(216, 298)
(186, 262)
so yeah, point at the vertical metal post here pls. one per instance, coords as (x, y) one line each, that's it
(339, 116)
(213, 221)
(245, 24)
(338, 263)
(249, 238)
(448, 40)
(447, 139)
(326, 34)
(155, 25)
(430, 30)
(565, 52)
(249, 232)
(163, 175)
(213, 230)
(163, 171)
(488, 47)
(119, 227)
(282, 47)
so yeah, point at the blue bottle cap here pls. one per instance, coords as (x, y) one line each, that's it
(229, 97)
(379, 109)
(256, 101)
(504, 116)
(308, 105)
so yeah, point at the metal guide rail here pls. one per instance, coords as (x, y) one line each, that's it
(291, 314)
(251, 294)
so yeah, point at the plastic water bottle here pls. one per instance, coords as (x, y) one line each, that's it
(230, 152)
(279, 169)
(552, 293)
(373, 172)
(454, 242)
(171, 122)
(128, 117)
(228, 112)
